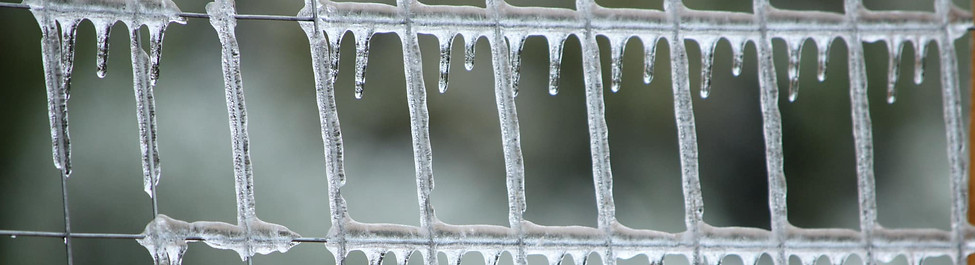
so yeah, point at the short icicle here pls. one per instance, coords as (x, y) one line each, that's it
(795, 54)
(920, 50)
(445, 42)
(555, 45)
(707, 61)
(470, 41)
(103, 30)
(617, 46)
(156, 33)
(738, 56)
(361, 59)
(650, 54)
(335, 52)
(894, 47)
(822, 50)
(517, 45)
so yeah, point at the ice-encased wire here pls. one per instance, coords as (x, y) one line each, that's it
(506, 27)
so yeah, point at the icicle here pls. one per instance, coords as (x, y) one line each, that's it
(69, 30)
(375, 257)
(491, 257)
(145, 111)
(920, 50)
(445, 42)
(361, 59)
(707, 59)
(470, 41)
(222, 18)
(580, 258)
(555, 258)
(617, 46)
(102, 32)
(402, 257)
(335, 51)
(650, 52)
(894, 47)
(738, 56)
(515, 57)
(453, 257)
(155, 51)
(822, 49)
(555, 45)
(795, 54)
(54, 59)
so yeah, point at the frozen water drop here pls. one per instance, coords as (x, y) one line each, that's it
(555, 45)
(445, 43)
(362, 56)
(649, 52)
(13, 236)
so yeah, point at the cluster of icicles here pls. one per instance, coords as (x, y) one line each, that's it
(166, 238)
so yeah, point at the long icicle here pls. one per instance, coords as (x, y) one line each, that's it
(862, 134)
(505, 91)
(772, 131)
(331, 133)
(420, 129)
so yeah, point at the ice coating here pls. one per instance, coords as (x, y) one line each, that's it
(505, 27)
(166, 238)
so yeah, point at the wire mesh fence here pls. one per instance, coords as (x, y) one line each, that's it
(507, 29)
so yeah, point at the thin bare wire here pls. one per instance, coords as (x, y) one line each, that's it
(19, 233)
(199, 15)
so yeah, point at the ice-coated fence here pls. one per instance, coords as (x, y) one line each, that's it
(506, 27)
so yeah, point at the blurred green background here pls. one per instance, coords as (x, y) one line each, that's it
(197, 180)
